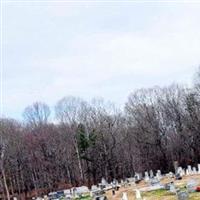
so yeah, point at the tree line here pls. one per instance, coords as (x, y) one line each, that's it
(90, 140)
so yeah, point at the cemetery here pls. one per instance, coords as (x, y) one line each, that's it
(182, 185)
(99, 100)
(149, 150)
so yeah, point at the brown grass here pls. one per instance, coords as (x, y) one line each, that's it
(155, 195)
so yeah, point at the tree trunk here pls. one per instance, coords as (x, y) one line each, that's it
(5, 183)
(79, 162)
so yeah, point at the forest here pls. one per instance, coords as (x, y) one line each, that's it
(78, 142)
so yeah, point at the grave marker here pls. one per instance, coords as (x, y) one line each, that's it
(124, 196)
(151, 174)
(137, 194)
(189, 169)
(172, 188)
(194, 170)
(146, 176)
(182, 195)
(192, 185)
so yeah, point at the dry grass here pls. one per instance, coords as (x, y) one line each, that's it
(157, 194)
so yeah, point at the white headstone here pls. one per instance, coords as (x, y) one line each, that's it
(146, 176)
(137, 194)
(151, 174)
(124, 196)
(94, 187)
(137, 176)
(46, 197)
(198, 168)
(171, 175)
(103, 181)
(172, 188)
(194, 169)
(189, 169)
(140, 176)
(82, 190)
(180, 171)
(67, 192)
(158, 175)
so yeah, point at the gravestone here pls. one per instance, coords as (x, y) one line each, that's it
(67, 192)
(137, 177)
(192, 185)
(94, 187)
(158, 175)
(124, 196)
(171, 175)
(182, 195)
(122, 183)
(172, 188)
(67, 197)
(180, 171)
(102, 197)
(194, 170)
(114, 182)
(198, 168)
(129, 180)
(178, 176)
(167, 185)
(154, 181)
(97, 193)
(151, 174)
(146, 176)
(104, 182)
(189, 169)
(137, 194)
(45, 197)
(82, 190)
(140, 176)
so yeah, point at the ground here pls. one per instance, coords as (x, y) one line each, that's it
(157, 194)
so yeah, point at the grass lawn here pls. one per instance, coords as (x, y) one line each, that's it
(166, 195)
(87, 197)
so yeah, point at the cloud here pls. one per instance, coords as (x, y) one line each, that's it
(102, 60)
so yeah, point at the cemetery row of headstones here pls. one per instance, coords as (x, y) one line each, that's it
(97, 191)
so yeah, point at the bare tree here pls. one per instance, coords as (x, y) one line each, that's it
(3, 148)
(37, 114)
(91, 140)
(68, 110)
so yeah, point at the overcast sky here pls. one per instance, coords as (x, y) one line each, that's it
(107, 50)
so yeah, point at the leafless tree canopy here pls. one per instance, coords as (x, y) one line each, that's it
(37, 114)
(91, 140)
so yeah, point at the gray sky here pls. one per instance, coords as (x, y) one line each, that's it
(52, 50)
